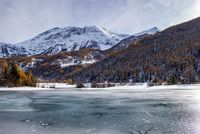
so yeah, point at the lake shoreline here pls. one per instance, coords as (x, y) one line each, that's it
(61, 86)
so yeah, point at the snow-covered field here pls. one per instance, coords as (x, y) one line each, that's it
(63, 86)
(121, 110)
(145, 86)
(41, 87)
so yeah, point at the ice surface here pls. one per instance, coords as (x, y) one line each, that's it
(101, 111)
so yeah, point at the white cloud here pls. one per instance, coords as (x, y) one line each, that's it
(23, 19)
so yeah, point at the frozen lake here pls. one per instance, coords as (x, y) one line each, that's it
(138, 111)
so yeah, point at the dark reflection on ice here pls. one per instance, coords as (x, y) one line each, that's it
(100, 112)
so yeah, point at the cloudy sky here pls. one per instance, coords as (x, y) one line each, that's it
(23, 19)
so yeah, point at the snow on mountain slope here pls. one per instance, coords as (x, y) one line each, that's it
(126, 42)
(57, 39)
(150, 31)
(133, 39)
(71, 38)
(8, 50)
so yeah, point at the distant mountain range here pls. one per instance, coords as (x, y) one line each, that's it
(62, 53)
(93, 54)
(68, 39)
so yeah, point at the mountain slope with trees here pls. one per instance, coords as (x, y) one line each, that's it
(171, 56)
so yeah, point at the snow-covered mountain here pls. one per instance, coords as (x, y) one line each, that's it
(7, 50)
(71, 38)
(134, 39)
(150, 31)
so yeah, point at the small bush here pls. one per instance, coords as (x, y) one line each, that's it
(80, 85)
(94, 84)
(69, 81)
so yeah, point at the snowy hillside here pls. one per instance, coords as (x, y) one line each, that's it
(71, 38)
(150, 31)
(7, 50)
(134, 39)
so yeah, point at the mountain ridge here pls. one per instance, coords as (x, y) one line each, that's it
(70, 38)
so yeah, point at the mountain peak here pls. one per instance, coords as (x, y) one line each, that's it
(155, 29)
(152, 30)
(71, 39)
